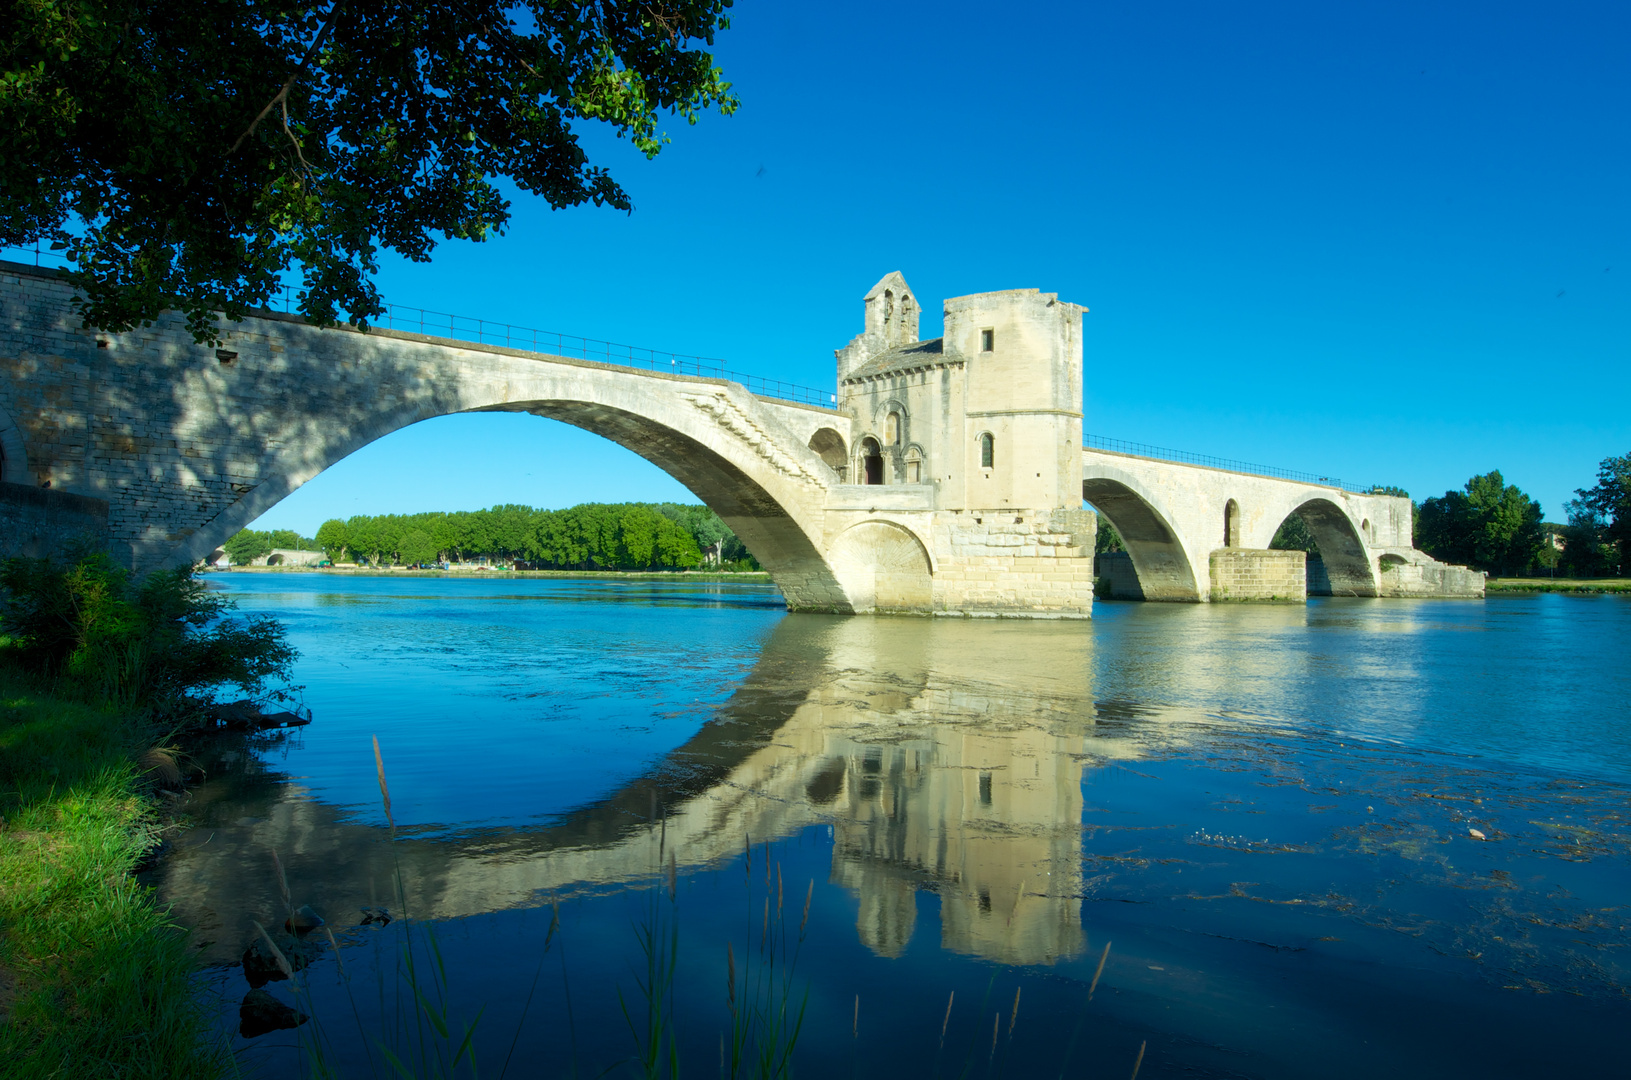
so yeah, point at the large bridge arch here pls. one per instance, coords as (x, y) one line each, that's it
(766, 525)
(769, 497)
(1165, 567)
(191, 443)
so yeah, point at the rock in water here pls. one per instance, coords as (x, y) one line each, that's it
(303, 921)
(261, 966)
(375, 916)
(1476, 835)
(261, 1013)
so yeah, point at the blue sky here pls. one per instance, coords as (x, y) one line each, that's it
(1385, 242)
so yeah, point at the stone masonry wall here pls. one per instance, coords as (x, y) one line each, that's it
(1010, 562)
(1258, 574)
(41, 523)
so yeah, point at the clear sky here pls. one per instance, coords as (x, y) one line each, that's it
(1384, 241)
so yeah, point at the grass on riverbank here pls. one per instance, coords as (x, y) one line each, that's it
(95, 980)
(1560, 585)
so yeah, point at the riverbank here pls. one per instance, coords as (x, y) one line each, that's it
(688, 577)
(1559, 585)
(95, 977)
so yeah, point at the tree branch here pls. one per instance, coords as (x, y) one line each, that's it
(283, 94)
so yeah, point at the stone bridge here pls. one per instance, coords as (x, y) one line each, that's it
(1195, 533)
(948, 479)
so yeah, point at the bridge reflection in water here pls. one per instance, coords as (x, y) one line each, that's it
(945, 755)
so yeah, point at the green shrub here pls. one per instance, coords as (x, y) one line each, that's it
(152, 642)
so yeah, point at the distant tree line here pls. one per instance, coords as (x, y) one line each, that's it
(250, 544)
(593, 536)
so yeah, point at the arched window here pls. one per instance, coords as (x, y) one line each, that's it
(891, 429)
(914, 466)
(871, 461)
(1231, 524)
(988, 451)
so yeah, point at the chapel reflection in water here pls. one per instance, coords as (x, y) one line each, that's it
(945, 754)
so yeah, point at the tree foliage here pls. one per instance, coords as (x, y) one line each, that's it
(593, 536)
(152, 642)
(1108, 538)
(1489, 525)
(1599, 530)
(186, 153)
(1295, 535)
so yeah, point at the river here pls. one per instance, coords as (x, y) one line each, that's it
(1348, 839)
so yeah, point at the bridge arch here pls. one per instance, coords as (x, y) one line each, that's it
(885, 567)
(1165, 570)
(829, 446)
(273, 421)
(1343, 543)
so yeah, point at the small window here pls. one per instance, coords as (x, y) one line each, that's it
(988, 451)
(988, 340)
(985, 789)
(891, 429)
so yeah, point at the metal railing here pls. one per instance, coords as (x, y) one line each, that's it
(35, 255)
(403, 318)
(1122, 446)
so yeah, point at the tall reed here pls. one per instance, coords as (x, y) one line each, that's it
(765, 1021)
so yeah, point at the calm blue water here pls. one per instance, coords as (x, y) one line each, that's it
(1257, 819)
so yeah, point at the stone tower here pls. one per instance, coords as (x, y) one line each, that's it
(990, 414)
(980, 432)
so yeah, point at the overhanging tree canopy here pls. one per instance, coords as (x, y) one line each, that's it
(185, 153)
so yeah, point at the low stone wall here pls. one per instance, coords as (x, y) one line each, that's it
(39, 522)
(1121, 580)
(1259, 574)
(1418, 575)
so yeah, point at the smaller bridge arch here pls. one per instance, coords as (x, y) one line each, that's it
(829, 446)
(1165, 569)
(1343, 542)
